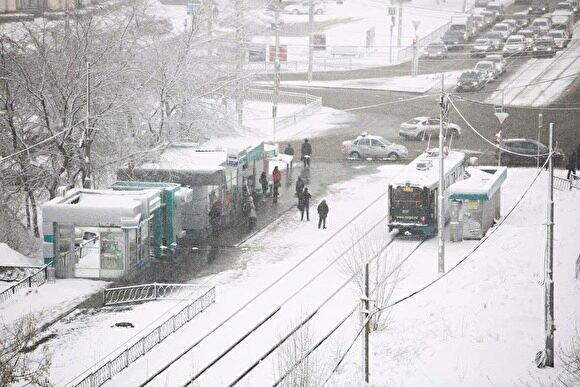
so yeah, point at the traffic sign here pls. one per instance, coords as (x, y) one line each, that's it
(501, 117)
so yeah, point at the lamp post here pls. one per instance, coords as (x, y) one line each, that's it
(415, 68)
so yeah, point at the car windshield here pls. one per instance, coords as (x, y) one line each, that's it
(563, 6)
(494, 35)
(555, 34)
(470, 76)
(514, 40)
(414, 121)
(539, 23)
(526, 33)
(482, 41)
(483, 66)
(501, 27)
(435, 47)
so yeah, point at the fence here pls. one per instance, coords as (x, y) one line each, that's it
(116, 364)
(37, 278)
(564, 184)
(406, 53)
(311, 104)
(148, 292)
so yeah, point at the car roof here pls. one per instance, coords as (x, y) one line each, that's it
(518, 36)
(420, 118)
(484, 62)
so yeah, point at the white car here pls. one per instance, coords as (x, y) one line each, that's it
(499, 61)
(304, 8)
(487, 69)
(375, 147)
(504, 29)
(421, 127)
(515, 45)
(560, 38)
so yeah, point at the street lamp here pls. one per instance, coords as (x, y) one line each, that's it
(415, 68)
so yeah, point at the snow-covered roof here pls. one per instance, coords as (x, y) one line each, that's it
(189, 157)
(482, 183)
(428, 177)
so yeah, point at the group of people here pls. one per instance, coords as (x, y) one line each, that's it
(305, 152)
(304, 204)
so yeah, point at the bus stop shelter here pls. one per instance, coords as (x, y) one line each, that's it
(476, 201)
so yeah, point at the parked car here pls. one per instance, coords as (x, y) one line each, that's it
(525, 151)
(503, 28)
(560, 38)
(514, 46)
(470, 80)
(498, 61)
(435, 51)
(564, 6)
(304, 8)
(498, 9)
(575, 5)
(482, 47)
(375, 147)
(421, 127)
(481, 3)
(488, 69)
(544, 46)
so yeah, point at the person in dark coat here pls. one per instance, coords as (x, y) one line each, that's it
(299, 186)
(571, 166)
(290, 152)
(215, 214)
(277, 180)
(322, 213)
(304, 204)
(306, 150)
(264, 183)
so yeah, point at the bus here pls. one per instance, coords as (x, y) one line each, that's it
(412, 196)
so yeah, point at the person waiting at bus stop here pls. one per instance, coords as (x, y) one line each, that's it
(306, 152)
(276, 179)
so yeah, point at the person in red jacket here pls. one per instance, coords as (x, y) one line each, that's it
(276, 179)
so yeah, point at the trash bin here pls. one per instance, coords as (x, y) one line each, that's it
(51, 274)
(456, 221)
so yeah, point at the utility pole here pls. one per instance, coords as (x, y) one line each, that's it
(240, 61)
(415, 68)
(440, 205)
(400, 26)
(276, 69)
(549, 282)
(366, 314)
(88, 181)
(391, 39)
(540, 119)
(310, 40)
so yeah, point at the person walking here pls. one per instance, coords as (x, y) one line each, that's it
(304, 204)
(290, 152)
(322, 213)
(571, 166)
(306, 152)
(299, 186)
(276, 179)
(252, 216)
(215, 214)
(264, 183)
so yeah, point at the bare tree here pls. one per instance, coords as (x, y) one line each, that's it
(17, 364)
(384, 272)
(570, 358)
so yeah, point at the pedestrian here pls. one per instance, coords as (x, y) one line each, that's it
(276, 179)
(571, 166)
(306, 152)
(299, 186)
(252, 216)
(264, 183)
(290, 152)
(322, 213)
(215, 214)
(304, 204)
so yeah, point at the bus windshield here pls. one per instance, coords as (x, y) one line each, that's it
(407, 197)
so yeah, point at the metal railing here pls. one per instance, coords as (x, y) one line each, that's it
(37, 278)
(563, 184)
(147, 292)
(311, 104)
(113, 365)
